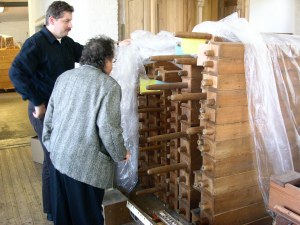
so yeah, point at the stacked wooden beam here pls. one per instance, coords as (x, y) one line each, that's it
(188, 99)
(7, 55)
(173, 178)
(284, 197)
(227, 179)
(217, 183)
(154, 113)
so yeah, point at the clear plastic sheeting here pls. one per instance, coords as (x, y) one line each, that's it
(273, 92)
(150, 44)
(126, 71)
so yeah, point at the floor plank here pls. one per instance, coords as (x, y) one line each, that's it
(35, 215)
(11, 215)
(21, 188)
(17, 186)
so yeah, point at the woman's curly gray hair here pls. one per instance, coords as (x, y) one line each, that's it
(96, 51)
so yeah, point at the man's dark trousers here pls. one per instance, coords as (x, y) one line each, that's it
(38, 127)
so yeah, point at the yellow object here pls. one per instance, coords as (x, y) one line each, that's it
(191, 45)
(145, 82)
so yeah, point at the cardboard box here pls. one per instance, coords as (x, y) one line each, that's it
(37, 150)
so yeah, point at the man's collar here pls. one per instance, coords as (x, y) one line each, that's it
(51, 38)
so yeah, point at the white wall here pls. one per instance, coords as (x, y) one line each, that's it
(273, 15)
(90, 17)
(18, 30)
(297, 17)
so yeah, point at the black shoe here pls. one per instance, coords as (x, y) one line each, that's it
(49, 217)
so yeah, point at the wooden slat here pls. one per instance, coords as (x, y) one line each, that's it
(228, 98)
(33, 201)
(224, 82)
(10, 207)
(228, 166)
(225, 132)
(231, 200)
(20, 192)
(217, 186)
(224, 66)
(228, 148)
(239, 216)
(17, 187)
(225, 115)
(9, 52)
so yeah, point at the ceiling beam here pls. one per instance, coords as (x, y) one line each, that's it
(13, 4)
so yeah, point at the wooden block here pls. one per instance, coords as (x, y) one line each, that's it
(221, 185)
(201, 56)
(184, 210)
(5, 82)
(170, 76)
(232, 50)
(9, 42)
(193, 84)
(290, 177)
(224, 149)
(268, 220)
(114, 203)
(238, 216)
(220, 99)
(173, 196)
(225, 132)
(219, 50)
(224, 66)
(188, 145)
(225, 115)
(2, 42)
(285, 192)
(227, 166)
(9, 52)
(4, 75)
(174, 155)
(6, 85)
(224, 82)
(5, 65)
(189, 196)
(192, 71)
(7, 59)
(190, 113)
(231, 200)
(195, 216)
(194, 162)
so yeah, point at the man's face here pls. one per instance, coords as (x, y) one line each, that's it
(61, 26)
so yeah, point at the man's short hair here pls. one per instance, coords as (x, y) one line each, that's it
(57, 9)
(97, 50)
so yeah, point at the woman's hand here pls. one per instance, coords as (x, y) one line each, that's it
(127, 157)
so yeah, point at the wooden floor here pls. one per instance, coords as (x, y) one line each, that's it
(20, 188)
(20, 177)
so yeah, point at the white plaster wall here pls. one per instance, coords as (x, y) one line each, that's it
(297, 17)
(18, 30)
(273, 15)
(90, 17)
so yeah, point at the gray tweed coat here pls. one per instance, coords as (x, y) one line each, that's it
(82, 128)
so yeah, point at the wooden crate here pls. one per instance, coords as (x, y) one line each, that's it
(6, 58)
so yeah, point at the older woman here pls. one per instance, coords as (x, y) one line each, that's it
(82, 132)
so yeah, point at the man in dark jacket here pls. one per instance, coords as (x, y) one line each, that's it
(43, 57)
